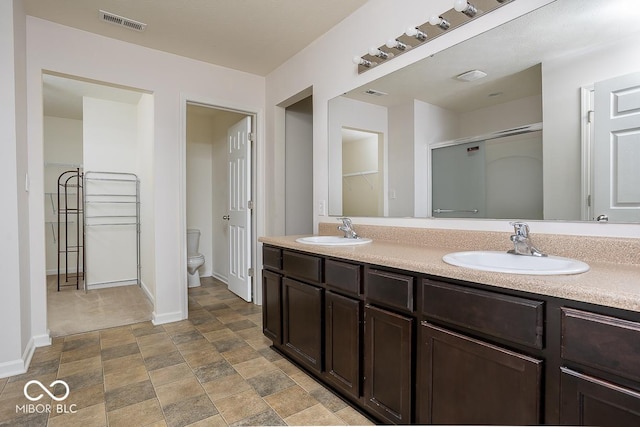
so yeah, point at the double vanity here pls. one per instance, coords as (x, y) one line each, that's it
(408, 338)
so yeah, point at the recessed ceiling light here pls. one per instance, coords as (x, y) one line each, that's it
(472, 75)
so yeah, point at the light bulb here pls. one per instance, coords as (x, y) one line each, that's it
(440, 22)
(360, 61)
(415, 32)
(460, 5)
(374, 51)
(465, 7)
(435, 20)
(395, 44)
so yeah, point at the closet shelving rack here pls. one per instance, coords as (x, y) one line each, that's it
(112, 199)
(70, 212)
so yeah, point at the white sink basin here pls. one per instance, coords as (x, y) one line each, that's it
(332, 240)
(502, 262)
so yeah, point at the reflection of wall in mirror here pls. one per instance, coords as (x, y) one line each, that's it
(347, 113)
(361, 176)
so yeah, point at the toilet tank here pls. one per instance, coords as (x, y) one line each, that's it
(193, 241)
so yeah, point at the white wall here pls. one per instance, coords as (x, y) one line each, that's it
(62, 150)
(16, 335)
(299, 167)
(200, 138)
(170, 79)
(362, 171)
(400, 160)
(521, 112)
(110, 144)
(351, 114)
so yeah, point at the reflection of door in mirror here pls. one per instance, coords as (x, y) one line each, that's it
(616, 151)
(497, 178)
(362, 173)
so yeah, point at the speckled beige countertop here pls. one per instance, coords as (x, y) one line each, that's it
(608, 283)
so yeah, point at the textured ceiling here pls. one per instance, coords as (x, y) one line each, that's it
(255, 36)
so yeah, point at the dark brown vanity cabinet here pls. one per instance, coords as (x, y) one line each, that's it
(600, 379)
(388, 357)
(466, 380)
(388, 345)
(343, 339)
(302, 322)
(272, 294)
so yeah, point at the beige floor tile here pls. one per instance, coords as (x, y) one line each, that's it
(115, 341)
(316, 415)
(305, 381)
(199, 358)
(214, 421)
(71, 368)
(290, 401)
(170, 374)
(353, 418)
(178, 390)
(240, 406)
(241, 354)
(87, 417)
(225, 387)
(139, 414)
(161, 348)
(253, 367)
(125, 377)
(122, 363)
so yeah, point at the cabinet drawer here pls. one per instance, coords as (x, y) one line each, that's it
(272, 257)
(602, 342)
(515, 319)
(302, 266)
(390, 289)
(343, 276)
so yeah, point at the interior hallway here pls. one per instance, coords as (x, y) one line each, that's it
(214, 369)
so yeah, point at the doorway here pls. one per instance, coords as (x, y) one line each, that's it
(218, 195)
(93, 271)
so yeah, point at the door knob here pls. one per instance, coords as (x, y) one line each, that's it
(227, 217)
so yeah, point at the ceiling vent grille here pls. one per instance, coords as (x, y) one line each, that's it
(375, 92)
(121, 21)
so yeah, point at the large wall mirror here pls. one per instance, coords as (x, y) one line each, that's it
(552, 131)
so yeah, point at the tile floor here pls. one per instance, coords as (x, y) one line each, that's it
(72, 311)
(214, 369)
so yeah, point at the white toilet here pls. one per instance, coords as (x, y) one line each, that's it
(195, 260)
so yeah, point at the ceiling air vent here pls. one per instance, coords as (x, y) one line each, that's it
(121, 21)
(375, 92)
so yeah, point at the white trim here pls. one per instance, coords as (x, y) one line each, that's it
(14, 367)
(148, 293)
(103, 285)
(221, 278)
(42, 340)
(257, 224)
(27, 354)
(586, 97)
(534, 127)
(160, 319)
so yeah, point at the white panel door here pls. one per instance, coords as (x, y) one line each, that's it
(239, 213)
(617, 148)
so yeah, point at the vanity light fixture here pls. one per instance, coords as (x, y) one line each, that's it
(465, 7)
(440, 22)
(415, 32)
(374, 51)
(396, 44)
(361, 61)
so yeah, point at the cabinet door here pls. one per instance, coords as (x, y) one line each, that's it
(342, 342)
(302, 322)
(272, 306)
(466, 381)
(387, 364)
(590, 401)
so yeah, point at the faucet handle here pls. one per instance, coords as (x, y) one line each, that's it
(520, 228)
(345, 220)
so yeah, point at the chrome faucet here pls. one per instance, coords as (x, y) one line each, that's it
(347, 228)
(522, 244)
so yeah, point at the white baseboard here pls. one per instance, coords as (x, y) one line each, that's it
(160, 319)
(147, 293)
(104, 285)
(223, 279)
(42, 340)
(11, 368)
(27, 354)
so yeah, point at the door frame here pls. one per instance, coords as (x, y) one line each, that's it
(586, 148)
(257, 188)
